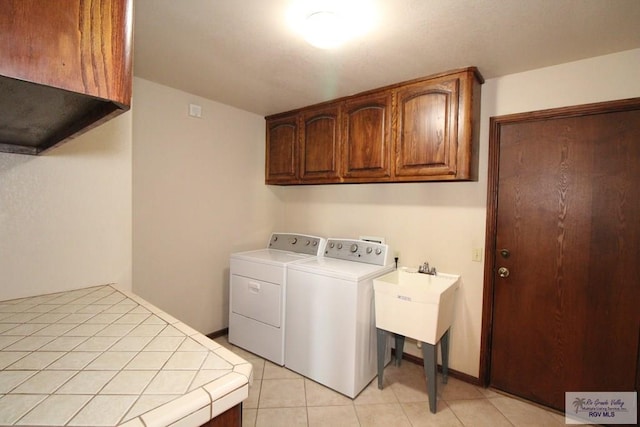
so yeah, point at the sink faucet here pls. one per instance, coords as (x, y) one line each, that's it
(424, 268)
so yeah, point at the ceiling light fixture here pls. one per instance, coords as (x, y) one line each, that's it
(324, 30)
(328, 24)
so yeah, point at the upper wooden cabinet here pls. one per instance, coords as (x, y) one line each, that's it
(426, 139)
(320, 144)
(422, 130)
(366, 137)
(282, 150)
(66, 67)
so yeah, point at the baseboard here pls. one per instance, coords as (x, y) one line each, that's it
(218, 334)
(408, 357)
(452, 372)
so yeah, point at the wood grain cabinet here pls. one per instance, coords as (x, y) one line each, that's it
(320, 144)
(366, 137)
(282, 150)
(66, 67)
(437, 128)
(422, 130)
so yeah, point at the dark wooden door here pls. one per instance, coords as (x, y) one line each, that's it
(567, 234)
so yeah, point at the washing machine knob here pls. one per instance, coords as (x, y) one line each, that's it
(293, 240)
(315, 243)
(354, 248)
(308, 242)
(369, 250)
(339, 245)
(331, 245)
(378, 251)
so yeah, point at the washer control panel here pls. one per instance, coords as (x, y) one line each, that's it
(299, 243)
(358, 251)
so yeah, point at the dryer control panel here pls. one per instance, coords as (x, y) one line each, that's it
(299, 243)
(358, 251)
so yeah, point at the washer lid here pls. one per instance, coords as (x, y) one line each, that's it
(340, 268)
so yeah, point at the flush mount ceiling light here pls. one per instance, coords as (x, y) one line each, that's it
(324, 30)
(328, 24)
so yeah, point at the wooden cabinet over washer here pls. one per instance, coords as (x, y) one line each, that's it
(422, 130)
(366, 137)
(66, 67)
(320, 144)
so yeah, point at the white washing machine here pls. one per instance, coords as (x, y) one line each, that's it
(258, 292)
(330, 334)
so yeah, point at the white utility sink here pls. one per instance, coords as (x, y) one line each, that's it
(415, 305)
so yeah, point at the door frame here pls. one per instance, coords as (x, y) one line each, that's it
(495, 124)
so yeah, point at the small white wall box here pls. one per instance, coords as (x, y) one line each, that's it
(195, 110)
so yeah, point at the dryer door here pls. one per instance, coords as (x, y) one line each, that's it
(256, 299)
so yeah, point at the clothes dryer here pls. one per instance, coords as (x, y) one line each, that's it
(258, 292)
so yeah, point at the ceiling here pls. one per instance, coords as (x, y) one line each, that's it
(242, 52)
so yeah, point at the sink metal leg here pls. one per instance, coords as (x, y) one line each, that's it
(429, 359)
(444, 349)
(382, 350)
(399, 348)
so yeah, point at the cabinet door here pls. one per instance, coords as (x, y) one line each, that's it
(282, 150)
(366, 137)
(66, 67)
(426, 140)
(76, 45)
(320, 144)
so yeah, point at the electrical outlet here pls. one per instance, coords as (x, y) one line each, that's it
(476, 255)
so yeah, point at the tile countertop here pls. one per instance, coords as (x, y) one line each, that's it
(102, 356)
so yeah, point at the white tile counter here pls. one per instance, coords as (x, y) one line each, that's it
(101, 356)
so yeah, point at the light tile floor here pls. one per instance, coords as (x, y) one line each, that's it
(279, 397)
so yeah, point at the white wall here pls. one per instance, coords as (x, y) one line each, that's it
(65, 217)
(443, 222)
(198, 196)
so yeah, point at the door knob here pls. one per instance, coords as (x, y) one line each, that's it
(503, 272)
